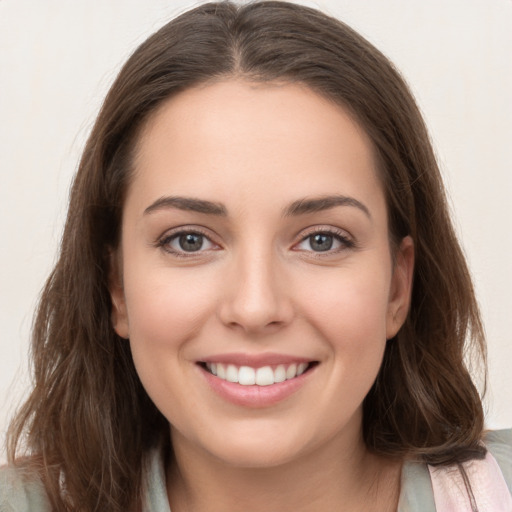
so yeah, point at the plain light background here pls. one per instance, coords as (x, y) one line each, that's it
(58, 58)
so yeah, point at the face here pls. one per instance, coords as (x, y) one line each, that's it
(255, 248)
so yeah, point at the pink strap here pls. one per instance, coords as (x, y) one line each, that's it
(475, 486)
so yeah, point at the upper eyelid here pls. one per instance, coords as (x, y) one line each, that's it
(307, 232)
(180, 230)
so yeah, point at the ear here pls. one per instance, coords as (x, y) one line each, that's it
(401, 287)
(119, 311)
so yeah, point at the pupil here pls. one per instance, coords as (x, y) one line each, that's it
(321, 242)
(191, 242)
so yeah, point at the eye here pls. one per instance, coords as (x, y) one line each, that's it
(183, 242)
(325, 241)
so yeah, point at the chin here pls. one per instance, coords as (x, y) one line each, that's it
(259, 446)
(256, 456)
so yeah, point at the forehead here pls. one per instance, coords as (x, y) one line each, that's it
(236, 138)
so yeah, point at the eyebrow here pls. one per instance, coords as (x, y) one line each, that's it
(299, 207)
(317, 204)
(187, 204)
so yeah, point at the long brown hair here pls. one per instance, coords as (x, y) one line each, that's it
(88, 423)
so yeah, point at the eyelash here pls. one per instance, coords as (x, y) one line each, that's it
(341, 236)
(164, 242)
(338, 235)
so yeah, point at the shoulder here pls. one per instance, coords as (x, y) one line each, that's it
(424, 487)
(416, 488)
(20, 492)
(155, 487)
(499, 443)
(479, 483)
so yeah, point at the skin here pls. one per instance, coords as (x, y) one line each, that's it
(258, 285)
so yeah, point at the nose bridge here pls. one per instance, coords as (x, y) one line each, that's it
(257, 298)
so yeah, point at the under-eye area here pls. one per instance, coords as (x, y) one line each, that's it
(261, 376)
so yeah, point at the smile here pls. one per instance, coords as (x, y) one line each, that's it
(263, 376)
(256, 381)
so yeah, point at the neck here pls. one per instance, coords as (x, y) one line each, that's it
(337, 477)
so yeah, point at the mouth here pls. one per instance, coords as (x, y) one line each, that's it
(262, 376)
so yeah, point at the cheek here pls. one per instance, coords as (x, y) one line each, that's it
(166, 311)
(350, 306)
(166, 308)
(349, 314)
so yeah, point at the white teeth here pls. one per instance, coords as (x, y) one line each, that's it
(301, 368)
(291, 371)
(280, 374)
(264, 376)
(246, 376)
(232, 373)
(221, 371)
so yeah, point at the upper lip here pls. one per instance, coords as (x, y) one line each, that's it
(255, 360)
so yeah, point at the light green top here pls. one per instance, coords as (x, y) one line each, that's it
(17, 495)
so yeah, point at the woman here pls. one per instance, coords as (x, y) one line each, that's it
(260, 302)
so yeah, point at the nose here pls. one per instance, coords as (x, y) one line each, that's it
(257, 297)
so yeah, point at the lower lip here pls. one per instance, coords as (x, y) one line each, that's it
(255, 396)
